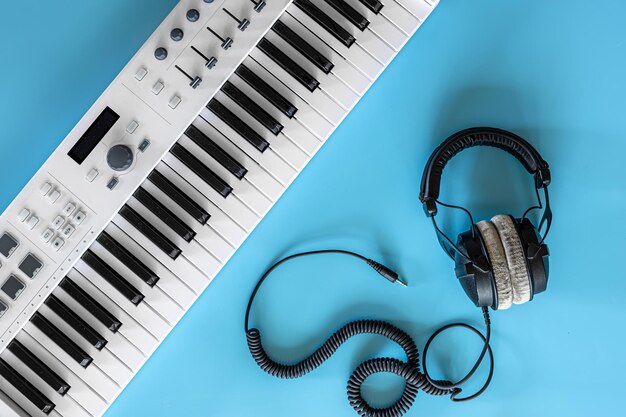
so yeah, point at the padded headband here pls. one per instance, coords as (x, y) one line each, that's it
(479, 136)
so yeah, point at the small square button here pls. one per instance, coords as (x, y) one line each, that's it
(69, 208)
(23, 215)
(112, 183)
(79, 217)
(47, 235)
(58, 222)
(91, 175)
(157, 88)
(45, 188)
(13, 287)
(67, 231)
(141, 73)
(143, 145)
(3, 308)
(58, 243)
(54, 196)
(32, 222)
(30, 266)
(132, 126)
(174, 102)
(8, 244)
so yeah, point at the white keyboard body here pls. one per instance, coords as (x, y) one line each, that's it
(76, 195)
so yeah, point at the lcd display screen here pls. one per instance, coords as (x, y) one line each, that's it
(94, 134)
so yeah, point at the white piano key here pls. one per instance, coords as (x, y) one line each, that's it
(8, 408)
(383, 27)
(155, 296)
(316, 99)
(289, 151)
(145, 316)
(205, 235)
(22, 401)
(306, 118)
(329, 83)
(365, 61)
(219, 221)
(254, 195)
(343, 69)
(271, 180)
(64, 405)
(92, 375)
(418, 8)
(400, 17)
(120, 346)
(238, 211)
(103, 359)
(197, 255)
(132, 330)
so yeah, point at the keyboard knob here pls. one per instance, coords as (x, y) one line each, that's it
(160, 54)
(177, 34)
(120, 157)
(193, 15)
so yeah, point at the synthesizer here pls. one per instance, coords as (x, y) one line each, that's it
(156, 187)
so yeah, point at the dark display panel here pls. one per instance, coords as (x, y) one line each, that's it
(94, 134)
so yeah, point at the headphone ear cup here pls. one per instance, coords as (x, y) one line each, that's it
(499, 265)
(515, 257)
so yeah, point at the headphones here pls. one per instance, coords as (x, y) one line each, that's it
(503, 261)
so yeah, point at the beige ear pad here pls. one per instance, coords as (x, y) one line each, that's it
(518, 271)
(499, 265)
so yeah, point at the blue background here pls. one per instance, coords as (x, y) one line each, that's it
(552, 71)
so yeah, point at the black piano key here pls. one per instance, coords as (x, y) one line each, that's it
(302, 46)
(266, 90)
(325, 21)
(350, 13)
(179, 197)
(27, 389)
(64, 342)
(201, 170)
(91, 305)
(288, 64)
(150, 232)
(76, 322)
(374, 5)
(238, 125)
(217, 153)
(128, 259)
(252, 108)
(112, 277)
(39, 367)
(165, 214)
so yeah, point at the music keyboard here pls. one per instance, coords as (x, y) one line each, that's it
(156, 187)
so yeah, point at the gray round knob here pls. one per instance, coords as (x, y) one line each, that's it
(160, 54)
(177, 34)
(208, 1)
(193, 15)
(120, 157)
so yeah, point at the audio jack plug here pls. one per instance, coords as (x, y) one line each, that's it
(386, 272)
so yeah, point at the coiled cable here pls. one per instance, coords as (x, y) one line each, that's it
(409, 370)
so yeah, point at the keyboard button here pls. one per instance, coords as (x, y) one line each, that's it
(61, 340)
(267, 91)
(39, 367)
(69, 209)
(79, 217)
(201, 170)
(303, 47)
(217, 153)
(326, 22)
(238, 125)
(32, 222)
(76, 322)
(45, 188)
(3, 308)
(164, 214)
(57, 243)
(90, 304)
(288, 64)
(58, 222)
(150, 232)
(131, 293)
(47, 235)
(349, 13)
(67, 231)
(13, 287)
(92, 175)
(54, 196)
(128, 259)
(186, 203)
(8, 244)
(23, 215)
(26, 388)
(252, 108)
(30, 266)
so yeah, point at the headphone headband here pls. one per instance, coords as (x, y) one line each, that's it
(479, 136)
